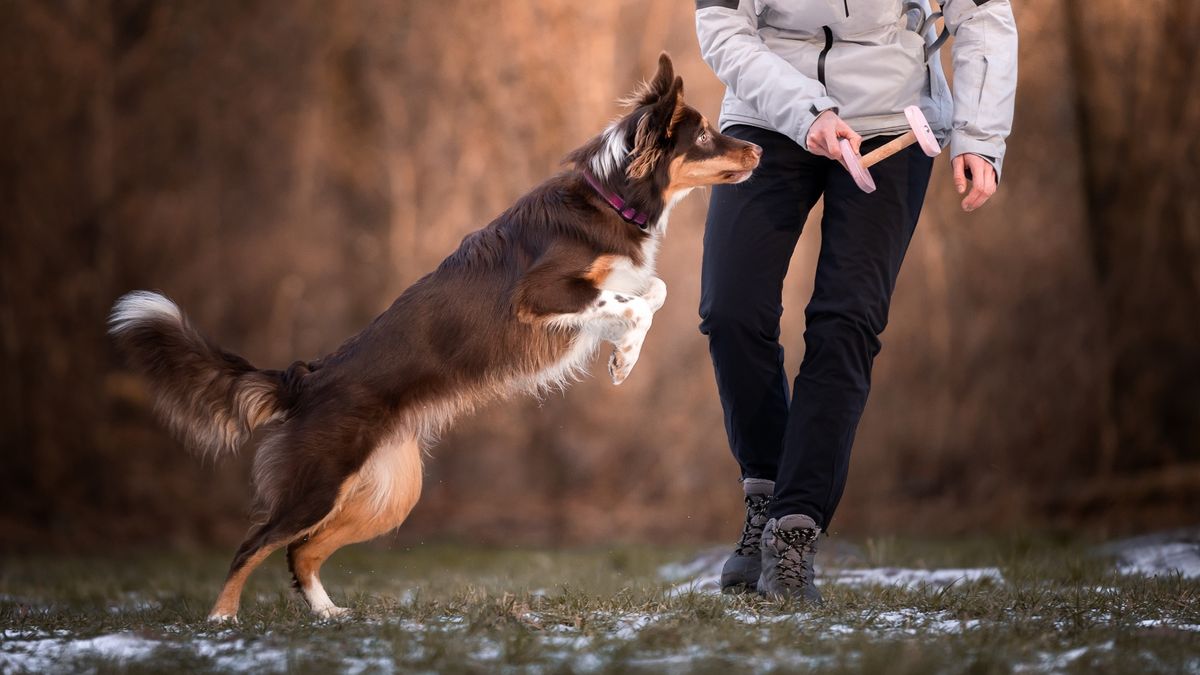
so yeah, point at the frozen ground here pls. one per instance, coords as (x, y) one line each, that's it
(891, 607)
(1161, 554)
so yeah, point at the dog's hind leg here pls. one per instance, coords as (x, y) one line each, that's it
(262, 541)
(373, 501)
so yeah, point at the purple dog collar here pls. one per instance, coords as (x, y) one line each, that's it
(614, 200)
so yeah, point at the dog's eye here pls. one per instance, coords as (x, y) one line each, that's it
(703, 137)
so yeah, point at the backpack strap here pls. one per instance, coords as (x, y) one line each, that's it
(924, 22)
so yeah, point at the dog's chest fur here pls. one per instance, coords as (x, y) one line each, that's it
(624, 276)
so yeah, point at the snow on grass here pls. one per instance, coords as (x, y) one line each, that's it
(629, 625)
(1051, 662)
(1162, 623)
(705, 564)
(912, 578)
(709, 582)
(908, 621)
(1178, 558)
(1160, 554)
(239, 657)
(44, 654)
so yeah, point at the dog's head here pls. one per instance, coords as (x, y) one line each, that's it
(662, 147)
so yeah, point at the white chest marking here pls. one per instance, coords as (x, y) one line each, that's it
(625, 277)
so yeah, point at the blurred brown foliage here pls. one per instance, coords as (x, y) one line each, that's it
(284, 169)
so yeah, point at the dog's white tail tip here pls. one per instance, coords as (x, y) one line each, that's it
(140, 306)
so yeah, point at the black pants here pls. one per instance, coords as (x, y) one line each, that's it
(751, 233)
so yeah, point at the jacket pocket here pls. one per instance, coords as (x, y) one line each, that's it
(805, 16)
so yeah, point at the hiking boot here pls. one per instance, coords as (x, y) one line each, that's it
(741, 570)
(789, 546)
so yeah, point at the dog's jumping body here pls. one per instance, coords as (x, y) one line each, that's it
(521, 306)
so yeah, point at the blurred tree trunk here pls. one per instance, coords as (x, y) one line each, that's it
(1138, 102)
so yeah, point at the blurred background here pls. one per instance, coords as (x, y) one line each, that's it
(284, 168)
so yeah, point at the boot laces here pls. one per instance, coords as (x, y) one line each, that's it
(756, 520)
(796, 557)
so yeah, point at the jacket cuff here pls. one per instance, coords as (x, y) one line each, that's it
(817, 106)
(961, 144)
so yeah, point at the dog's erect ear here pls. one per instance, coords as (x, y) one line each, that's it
(664, 79)
(655, 127)
(658, 86)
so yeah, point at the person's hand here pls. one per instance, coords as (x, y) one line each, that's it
(983, 179)
(824, 133)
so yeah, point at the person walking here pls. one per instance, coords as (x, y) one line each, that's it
(800, 75)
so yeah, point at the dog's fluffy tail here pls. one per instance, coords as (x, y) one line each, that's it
(210, 398)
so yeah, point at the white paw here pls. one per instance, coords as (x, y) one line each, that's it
(222, 618)
(331, 612)
(656, 295)
(620, 364)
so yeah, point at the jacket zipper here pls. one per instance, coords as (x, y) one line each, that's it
(824, 53)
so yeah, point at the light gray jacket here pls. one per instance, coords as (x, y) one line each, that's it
(786, 61)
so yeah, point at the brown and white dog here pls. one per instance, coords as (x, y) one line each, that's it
(521, 306)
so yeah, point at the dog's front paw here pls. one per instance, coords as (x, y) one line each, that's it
(656, 295)
(622, 361)
(219, 618)
(618, 368)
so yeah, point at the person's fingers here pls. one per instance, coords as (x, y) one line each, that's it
(831, 142)
(852, 136)
(960, 178)
(975, 199)
(989, 173)
(818, 141)
(983, 183)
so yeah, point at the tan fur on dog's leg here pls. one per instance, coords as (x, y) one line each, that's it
(372, 502)
(226, 607)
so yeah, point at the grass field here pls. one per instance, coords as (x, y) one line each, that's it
(892, 606)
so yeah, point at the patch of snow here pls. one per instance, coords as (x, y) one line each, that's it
(239, 657)
(665, 662)
(135, 603)
(912, 621)
(754, 618)
(706, 564)
(1050, 662)
(911, 578)
(488, 650)
(1165, 560)
(1163, 623)
(710, 584)
(567, 641)
(23, 633)
(904, 621)
(1159, 554)
(378, 664)
(45, 654)
(588, 662)
(630, 625)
